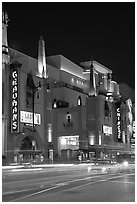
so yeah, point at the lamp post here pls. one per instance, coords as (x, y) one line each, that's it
(48, 117)
(50, 105)
(47, 109)
(34, 90)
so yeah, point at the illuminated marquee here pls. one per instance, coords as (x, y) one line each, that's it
(133, 129)
(107, 130)
(27, 117)
(70, 140)
(14, 102)
(118, 123)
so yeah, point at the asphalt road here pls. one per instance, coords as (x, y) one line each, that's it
(69, 184)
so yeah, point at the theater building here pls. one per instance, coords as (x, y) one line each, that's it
(57, 110)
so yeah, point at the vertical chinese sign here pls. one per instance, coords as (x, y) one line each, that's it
(119, 135)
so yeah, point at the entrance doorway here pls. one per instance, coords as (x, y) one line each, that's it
(29, 151)
(26, 144)
(26, 147)
(26, 150)
(68, 146)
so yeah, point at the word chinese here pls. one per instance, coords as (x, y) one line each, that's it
(118, 123)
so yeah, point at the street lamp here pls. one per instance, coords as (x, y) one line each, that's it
(34, 90)
(50, 105)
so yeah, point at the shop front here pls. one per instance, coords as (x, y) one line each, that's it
(68, 147)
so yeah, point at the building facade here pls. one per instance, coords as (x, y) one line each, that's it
(54, 109)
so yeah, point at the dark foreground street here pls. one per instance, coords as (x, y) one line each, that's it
(70, 184)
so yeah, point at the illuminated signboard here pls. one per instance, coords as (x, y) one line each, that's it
(70, 140)
(129, 104)
(118, 123)
(14, 101)
(129, 117)
(107, 130)
(133, 129)
(27, 117)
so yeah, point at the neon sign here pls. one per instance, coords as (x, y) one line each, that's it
(118, 123)
(14, 102)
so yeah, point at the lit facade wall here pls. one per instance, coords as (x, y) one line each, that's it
(128, 123)
(38, 102)
(93, 123)
(70, 67)
(99, 124)
(41, 103)
(25, 129)
(75, 128)
(12, 144)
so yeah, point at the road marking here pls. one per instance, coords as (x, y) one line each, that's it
(38, 180)
(36, 169)
(39, 192)
(54, 188)
(57, 186)
(102, 180)
(128, 182)
(62, 184)
(12, 192)
(42, 191)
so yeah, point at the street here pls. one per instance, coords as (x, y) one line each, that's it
(69, 184)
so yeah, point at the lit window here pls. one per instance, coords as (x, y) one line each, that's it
(99, 139)
(79, 101)
(72, 80)
(68, 117)
(91, 139)
(55, 103)
(63, 141)
(49, 132)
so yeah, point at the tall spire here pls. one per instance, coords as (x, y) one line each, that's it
(92, 86)
(42, 69)
(5, 50)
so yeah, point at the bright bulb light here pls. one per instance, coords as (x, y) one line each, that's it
(103, 169)
(125, 163)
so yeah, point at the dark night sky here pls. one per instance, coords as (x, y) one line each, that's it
(77, 31)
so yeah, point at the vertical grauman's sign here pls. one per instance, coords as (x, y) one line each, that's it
(14, 100)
